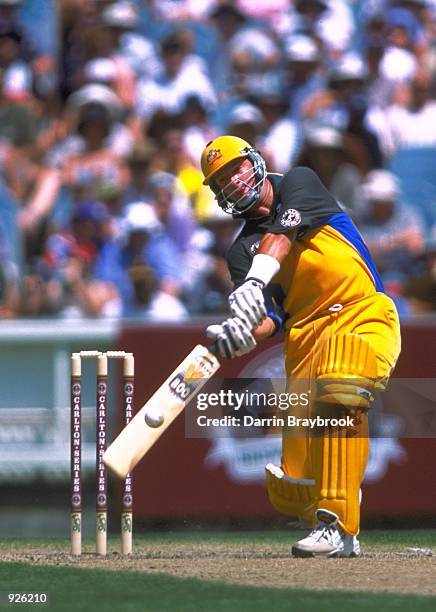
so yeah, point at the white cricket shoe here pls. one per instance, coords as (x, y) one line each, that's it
(327, 539)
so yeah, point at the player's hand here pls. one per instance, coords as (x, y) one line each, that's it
(247, 303)
(232, 338)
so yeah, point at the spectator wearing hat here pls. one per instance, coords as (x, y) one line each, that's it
(304, 75)
(125, 55)
(197, 128)
(18, 144)
(184, 74)
(24, 46)
(424, 12)
(392, 231)
(227, 20)
(326, 151)
(330, 106)
(246, 121)
(411, 123)
(172, 209)
(177, 162)
(281, 134)
(140, 164)
(17, 73)
(140, 53)
(144, 243)
(91, 154)
(67, 285)
(329, 21)
(403, 32)
(247, 56)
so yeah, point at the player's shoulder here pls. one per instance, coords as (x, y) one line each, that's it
(300, 175)
(302, 182)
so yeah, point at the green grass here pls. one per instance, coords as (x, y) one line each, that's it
(83, 589)
(381, 539)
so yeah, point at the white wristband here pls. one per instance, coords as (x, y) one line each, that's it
(263, 268)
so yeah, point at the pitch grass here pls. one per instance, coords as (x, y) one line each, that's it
(79, 589)
(71, 588)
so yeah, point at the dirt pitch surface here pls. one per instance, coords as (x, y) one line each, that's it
(400, 570)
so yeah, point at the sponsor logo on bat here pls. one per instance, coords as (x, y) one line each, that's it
(184, 383)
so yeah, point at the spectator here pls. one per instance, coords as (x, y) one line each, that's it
(197, 128)
(18, 151)
(17, 74)
(206, 270)
(67, 285)
(413, 123)
(184, 75)
(228, 21)
(303, 72)
(28, 64)
(172, 209)
(399, 62)
(139, 52)
(420, 289)
(247, 122)
(329, 21)
(87, 157)
(140, 164)
(392, 231)
(9, 274)
(148, 302)
(178, 163)
(281, 134)
(143, 243)
(248, 57)
(325, 151)
(331, 106)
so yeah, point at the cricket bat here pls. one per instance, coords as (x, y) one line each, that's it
(136, 439)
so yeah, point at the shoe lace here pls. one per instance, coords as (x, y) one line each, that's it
(322, 530)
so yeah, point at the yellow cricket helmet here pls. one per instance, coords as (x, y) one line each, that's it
(220, 152)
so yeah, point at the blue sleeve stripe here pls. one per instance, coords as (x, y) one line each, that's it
(342, 223)
(274, 297)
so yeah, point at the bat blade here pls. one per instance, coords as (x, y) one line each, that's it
(136, 439)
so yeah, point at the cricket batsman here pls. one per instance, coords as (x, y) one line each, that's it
(300, 267)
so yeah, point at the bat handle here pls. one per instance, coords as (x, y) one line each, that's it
(213, 349)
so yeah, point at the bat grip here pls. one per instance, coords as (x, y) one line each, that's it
(213, 349)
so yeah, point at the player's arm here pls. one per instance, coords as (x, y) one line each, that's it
(239, 334)
(248, 301)
(277, 246)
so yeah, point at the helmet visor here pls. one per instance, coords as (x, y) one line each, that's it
(243, 190)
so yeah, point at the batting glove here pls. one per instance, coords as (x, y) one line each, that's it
(232, 338)
(247, 303)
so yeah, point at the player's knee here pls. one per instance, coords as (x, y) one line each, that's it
(347, 372)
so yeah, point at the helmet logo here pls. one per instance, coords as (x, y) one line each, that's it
(213, 156)
(290, 218)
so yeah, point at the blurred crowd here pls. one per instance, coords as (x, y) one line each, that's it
(102, 208)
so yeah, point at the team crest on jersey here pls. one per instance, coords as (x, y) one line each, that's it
(290, 218)
(213, 156)
(254, 247)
